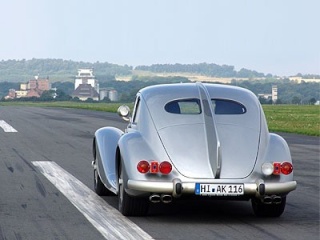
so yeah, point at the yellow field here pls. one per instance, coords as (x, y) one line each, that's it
(190, 76)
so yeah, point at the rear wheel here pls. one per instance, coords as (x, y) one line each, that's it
(130, 206)
(261, 209)
(99, 187)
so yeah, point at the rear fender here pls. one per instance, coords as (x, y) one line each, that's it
(104, 151)
(278, 151)
(133, 148)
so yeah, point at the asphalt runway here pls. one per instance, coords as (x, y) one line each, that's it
(33, 206)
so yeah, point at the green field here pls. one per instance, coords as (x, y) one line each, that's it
(106, 107)
(301, 119)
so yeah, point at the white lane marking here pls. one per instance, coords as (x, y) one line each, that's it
(6, 127)
(107, 220)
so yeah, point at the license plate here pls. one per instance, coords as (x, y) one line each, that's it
(209, 189)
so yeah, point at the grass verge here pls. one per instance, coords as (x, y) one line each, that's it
(301, 119)
(106, 107)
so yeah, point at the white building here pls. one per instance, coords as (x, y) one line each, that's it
(273, 96)
(274, 93)
(85, 85)
(85, 76)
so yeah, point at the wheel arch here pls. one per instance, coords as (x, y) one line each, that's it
(104, 150)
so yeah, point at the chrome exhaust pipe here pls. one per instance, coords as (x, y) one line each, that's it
(155, 198)
(267, 200)
(165, 198)
(276, 199)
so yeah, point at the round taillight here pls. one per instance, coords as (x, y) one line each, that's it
(286, 168)
(143, 166)
(267, 168)
(165, 167)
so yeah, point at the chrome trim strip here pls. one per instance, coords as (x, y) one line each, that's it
(213, 142)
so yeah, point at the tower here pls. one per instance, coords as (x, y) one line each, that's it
(274, 93)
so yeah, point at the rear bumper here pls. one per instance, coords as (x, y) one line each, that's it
(177, 188)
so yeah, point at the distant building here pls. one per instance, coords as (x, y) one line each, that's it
(21, 93)
(113, 96)
(85, 91)
(33, 88)
(37, 84)
(85, 85)
(265, 96)
(43, 85)
(23, 86)
(273, 96)
(104, 93)
(109, 93)
(274, 93)
(34, 93)
(85, 76)
(11, 95)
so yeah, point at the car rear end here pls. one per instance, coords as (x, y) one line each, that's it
(217, 144)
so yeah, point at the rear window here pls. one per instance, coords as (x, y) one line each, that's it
(222, 106)
(184, 106)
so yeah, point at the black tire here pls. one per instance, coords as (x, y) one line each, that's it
(261, 209)
(99, 187)
(130, 206)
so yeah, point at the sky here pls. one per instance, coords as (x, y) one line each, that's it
(281, 37)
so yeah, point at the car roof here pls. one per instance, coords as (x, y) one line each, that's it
(157, 96)
(161, 94)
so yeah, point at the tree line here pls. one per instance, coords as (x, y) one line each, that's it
(208, 69)
(65, 70)
(289, 92)
(56, 69)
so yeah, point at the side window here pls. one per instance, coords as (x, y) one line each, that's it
(223, 106)
(183, 106)
(135, 117)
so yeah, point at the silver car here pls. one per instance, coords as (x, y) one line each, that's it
(193, 140)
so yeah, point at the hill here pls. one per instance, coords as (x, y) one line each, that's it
(65, 70)
(56, 70)
(61, 74)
